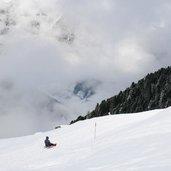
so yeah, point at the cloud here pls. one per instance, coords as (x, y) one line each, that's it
(47, 47)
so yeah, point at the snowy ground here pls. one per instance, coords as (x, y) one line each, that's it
(123, 142)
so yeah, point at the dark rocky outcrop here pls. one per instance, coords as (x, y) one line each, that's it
(151, 92)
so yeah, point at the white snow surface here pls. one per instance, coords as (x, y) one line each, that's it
(130, 142)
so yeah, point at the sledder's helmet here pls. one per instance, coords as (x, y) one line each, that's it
(47, 137)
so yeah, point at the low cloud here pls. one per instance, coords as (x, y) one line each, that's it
(47, 48)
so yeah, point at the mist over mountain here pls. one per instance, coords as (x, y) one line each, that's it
(86, 89)
(151, 92)
(59, 58)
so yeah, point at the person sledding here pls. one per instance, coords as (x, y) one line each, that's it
(48, 143)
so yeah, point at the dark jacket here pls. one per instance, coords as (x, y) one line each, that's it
(47, 142)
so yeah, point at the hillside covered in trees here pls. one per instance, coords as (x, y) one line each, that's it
(151, 92)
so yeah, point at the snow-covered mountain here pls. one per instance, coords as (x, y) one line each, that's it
(35, 18)
(58, 58)
(86, 89)
(118, 142)
(41, 46)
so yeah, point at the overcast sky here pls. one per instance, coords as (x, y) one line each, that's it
(46, 47)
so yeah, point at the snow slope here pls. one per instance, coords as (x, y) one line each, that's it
(123, 142)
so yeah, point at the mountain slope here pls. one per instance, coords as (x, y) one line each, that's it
(58, 58)
(123, 142)
(151, 92)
